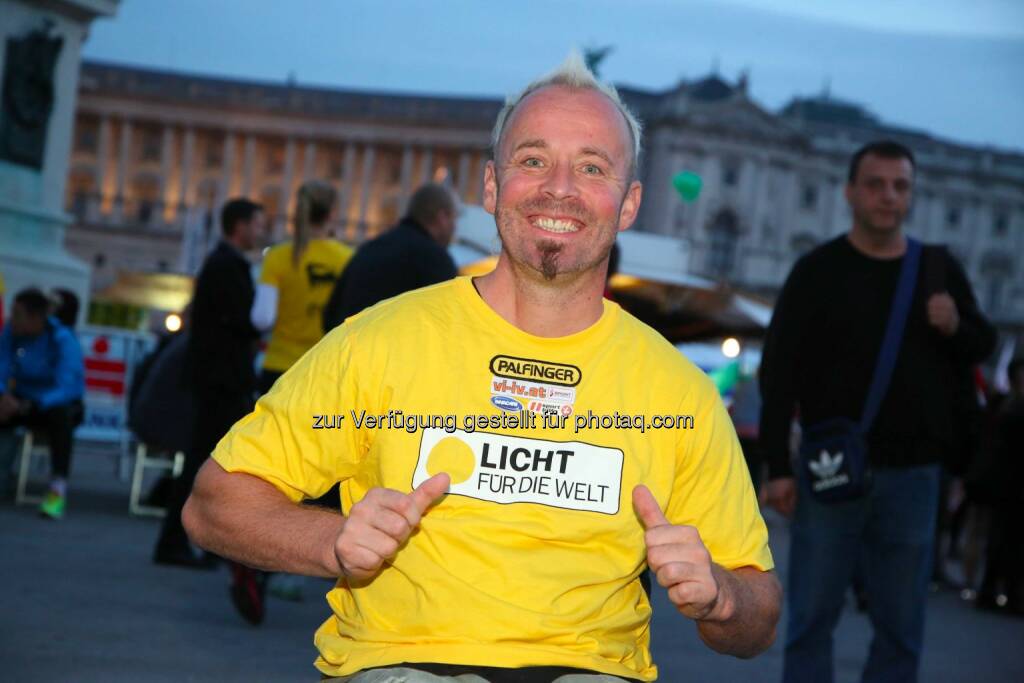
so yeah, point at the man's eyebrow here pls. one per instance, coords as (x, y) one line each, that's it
(525, 144)
(600, 153)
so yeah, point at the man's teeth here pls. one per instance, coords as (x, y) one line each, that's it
(553, 225)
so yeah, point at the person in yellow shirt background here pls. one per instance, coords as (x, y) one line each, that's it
(296, 279)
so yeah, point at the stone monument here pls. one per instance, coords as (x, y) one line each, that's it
(40, 49)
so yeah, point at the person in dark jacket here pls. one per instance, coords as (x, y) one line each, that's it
(42, 380)
(819, 354)
(219, 361)
(1003, 585)
(411, 255)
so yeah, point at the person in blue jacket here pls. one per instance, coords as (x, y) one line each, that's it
(42, 379)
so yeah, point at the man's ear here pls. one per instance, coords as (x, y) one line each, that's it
(490, 187)
(630, 205)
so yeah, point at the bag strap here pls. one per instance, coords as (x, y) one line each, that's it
(893, 338)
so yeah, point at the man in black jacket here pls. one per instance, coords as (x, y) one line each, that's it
(218, 361)
(819, 356)
(411, 255)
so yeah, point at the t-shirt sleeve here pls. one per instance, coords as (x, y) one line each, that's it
(712, 489)
(294, 438)
(272, 270)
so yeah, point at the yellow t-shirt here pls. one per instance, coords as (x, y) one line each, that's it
(302, 291)
(533, 557)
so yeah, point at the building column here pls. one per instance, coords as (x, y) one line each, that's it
(281, 221)
(188, 145)
(406, 177)
(99, 205)
(166, 209)
(369, 159)
(248, 161)
(463, 175)
(481, 164)
(839, 221)
(123, 157)
(348, 170)
(227, 166)
(426, 164)
(309, 162)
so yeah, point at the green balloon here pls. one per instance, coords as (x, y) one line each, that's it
(687, 184)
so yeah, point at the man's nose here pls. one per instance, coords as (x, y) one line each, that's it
(560, 181)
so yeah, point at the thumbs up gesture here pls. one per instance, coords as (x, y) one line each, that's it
(678, 558)
(378, 525)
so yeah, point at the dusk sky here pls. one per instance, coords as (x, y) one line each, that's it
(953, 68)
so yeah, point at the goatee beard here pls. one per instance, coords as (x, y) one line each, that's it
(549, 252)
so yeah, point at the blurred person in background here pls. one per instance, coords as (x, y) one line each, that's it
(42, 378)
(827, 327)
(411, 255)
(296, 280)
(219, 362)
(161, 405)
(1002, 587)
(66, 307)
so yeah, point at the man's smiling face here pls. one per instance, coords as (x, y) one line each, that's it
(560, 188)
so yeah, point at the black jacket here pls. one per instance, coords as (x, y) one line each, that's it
(402, 259)
(222, 340)
(162, 410)
(823, 342)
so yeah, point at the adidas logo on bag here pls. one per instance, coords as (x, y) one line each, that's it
(825, 469)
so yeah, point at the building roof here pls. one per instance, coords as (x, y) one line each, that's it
(221, 93)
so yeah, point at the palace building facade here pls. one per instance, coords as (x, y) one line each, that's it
(155, 153)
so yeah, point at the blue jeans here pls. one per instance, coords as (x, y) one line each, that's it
(890, 533)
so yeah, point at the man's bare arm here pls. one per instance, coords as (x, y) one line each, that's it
(248, 520)
(244, 518)
(736, 610)
(745, 616)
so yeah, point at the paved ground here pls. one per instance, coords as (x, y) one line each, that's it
(81, 602)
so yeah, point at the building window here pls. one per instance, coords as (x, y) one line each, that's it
(145, 211)
(99, 260)
(85, 138)
(801, 244)
(722, 248)
(1000, 224)
(270, 198)
(953, 216)
(994, 295)
(214, 155)
(275, 160)
(80, 204)
(730, 175)
(150, 146)
(808, 197)
(336, 167)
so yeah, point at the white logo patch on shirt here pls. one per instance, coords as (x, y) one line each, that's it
(512, 469)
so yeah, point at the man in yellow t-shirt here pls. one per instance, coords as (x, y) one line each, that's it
(513, 450)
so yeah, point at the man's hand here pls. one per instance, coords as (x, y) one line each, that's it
(380, 523)
(9, 406)
(680, 561)
(780, 494)
(942, 314)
